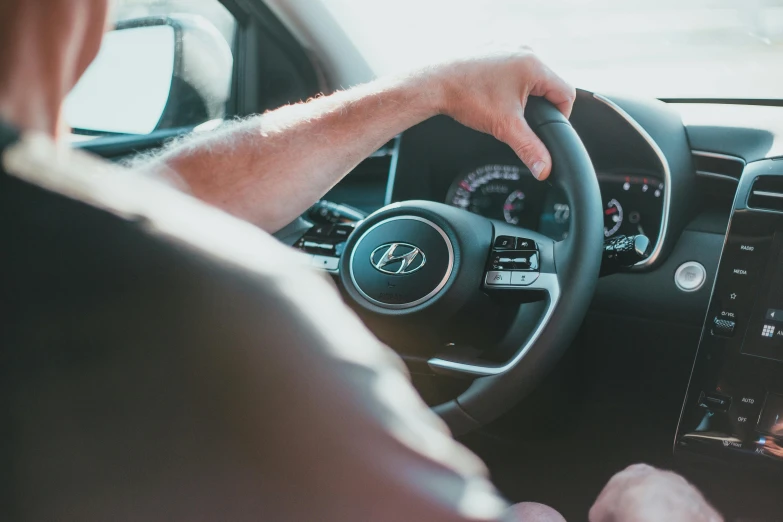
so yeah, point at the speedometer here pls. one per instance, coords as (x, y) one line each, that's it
(494, 191)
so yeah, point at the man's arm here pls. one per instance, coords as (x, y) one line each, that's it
(269, 169)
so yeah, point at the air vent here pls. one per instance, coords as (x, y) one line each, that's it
(718, 166)
(767, 193)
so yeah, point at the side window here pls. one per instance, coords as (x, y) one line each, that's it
(167, 64)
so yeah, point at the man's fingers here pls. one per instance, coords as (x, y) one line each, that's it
(555, 89)
(531, 150)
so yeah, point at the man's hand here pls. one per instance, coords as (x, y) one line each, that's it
(642, 493)
(489, 94)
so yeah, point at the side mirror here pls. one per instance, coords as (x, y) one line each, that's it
(153, 74)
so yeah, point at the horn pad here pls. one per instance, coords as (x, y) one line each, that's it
(401, 262)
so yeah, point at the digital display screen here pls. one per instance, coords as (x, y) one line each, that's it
(764, 336)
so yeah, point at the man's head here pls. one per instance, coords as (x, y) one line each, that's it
(45, 46)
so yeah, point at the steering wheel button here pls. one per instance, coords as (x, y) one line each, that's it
(523, 278)
(500, 262)
(525, 261)
(495, 278)
(526, 244)
(505, 243)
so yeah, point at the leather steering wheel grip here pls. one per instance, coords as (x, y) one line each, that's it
(577, 260)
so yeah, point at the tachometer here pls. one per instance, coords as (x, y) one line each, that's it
(494, 191)
(613, 217)
(513, 207)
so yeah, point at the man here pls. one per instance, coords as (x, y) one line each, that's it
(163, 360)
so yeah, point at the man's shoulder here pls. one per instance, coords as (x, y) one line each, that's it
(46, 185)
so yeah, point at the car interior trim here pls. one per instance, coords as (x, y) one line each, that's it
(547, 282)
(767, 194)
(402, 306)
(716, 175)
(667, 175)
(716, 155)
(395, 155)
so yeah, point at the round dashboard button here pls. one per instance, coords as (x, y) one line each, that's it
(690, 276)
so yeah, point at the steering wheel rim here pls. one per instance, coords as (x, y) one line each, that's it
(578, 261)
(568, 274)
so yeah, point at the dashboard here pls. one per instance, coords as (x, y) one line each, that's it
(671, 171)
(633, 202)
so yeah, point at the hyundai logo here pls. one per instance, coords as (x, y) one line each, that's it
(397, 258)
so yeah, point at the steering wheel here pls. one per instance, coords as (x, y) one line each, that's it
(421, 262)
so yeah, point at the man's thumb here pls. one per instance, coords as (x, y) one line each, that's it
(529, 148)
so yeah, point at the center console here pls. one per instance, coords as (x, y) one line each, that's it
(733, 410)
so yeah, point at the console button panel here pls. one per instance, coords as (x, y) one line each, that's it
(734, 406)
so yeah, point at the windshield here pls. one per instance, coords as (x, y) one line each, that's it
(658, 48)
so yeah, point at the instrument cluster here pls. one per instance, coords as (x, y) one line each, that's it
(633, 203)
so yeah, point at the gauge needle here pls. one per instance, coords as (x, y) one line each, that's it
(610, 211)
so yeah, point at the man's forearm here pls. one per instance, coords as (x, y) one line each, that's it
(269, 169)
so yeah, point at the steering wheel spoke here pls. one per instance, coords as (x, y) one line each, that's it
(520, 268)
(517, 260)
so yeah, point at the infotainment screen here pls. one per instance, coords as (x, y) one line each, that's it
(764, 335)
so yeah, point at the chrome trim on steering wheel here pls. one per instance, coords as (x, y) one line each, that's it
(547, 282)
(667, 189)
